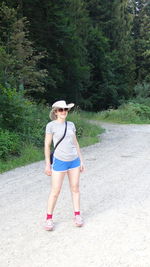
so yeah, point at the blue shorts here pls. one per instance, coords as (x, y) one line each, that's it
(59, 165)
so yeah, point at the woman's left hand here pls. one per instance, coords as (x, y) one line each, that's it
(81, 167)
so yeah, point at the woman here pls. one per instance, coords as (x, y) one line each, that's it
(67, 159)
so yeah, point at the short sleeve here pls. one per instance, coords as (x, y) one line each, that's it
(73, 127)
(49, 128)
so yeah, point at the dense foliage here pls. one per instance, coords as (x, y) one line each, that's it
(131, 112)
(92, 52)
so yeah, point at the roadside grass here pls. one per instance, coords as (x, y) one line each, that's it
(29, 155)
(87, 134)
(130, 113)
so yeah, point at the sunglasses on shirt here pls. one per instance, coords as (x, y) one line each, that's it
(62, 109)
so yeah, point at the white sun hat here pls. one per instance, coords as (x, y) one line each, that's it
(62, 104)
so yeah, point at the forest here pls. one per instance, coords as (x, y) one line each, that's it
(91, 52)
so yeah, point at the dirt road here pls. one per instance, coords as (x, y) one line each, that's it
(115, 201)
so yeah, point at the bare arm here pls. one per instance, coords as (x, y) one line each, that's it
(48, 141)
(79, 153)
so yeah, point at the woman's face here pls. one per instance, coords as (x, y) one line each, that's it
(62, 113)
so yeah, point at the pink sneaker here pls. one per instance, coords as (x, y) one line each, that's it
(49, 225)
(78, 220)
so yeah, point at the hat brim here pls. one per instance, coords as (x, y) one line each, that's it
(69, 106)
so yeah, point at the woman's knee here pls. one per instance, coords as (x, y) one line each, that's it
(75, 188)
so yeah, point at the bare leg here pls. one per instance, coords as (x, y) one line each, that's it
(74, 175)
(56, 183)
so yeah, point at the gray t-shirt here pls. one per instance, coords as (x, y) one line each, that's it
(66, 150)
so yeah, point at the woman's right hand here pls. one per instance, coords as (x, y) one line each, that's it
(48, 170)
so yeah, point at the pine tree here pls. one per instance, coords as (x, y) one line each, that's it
(59, 27)
(142, 40)
(115, 76)
(19, 69)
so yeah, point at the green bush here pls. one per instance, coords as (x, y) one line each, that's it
(143, 111)
(22, 116)
(142, 90)
(36, 123)
(13, 109)
(139, 111)
(130, 112)
(10, 144)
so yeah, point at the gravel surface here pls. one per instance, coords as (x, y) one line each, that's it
(115, 202)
